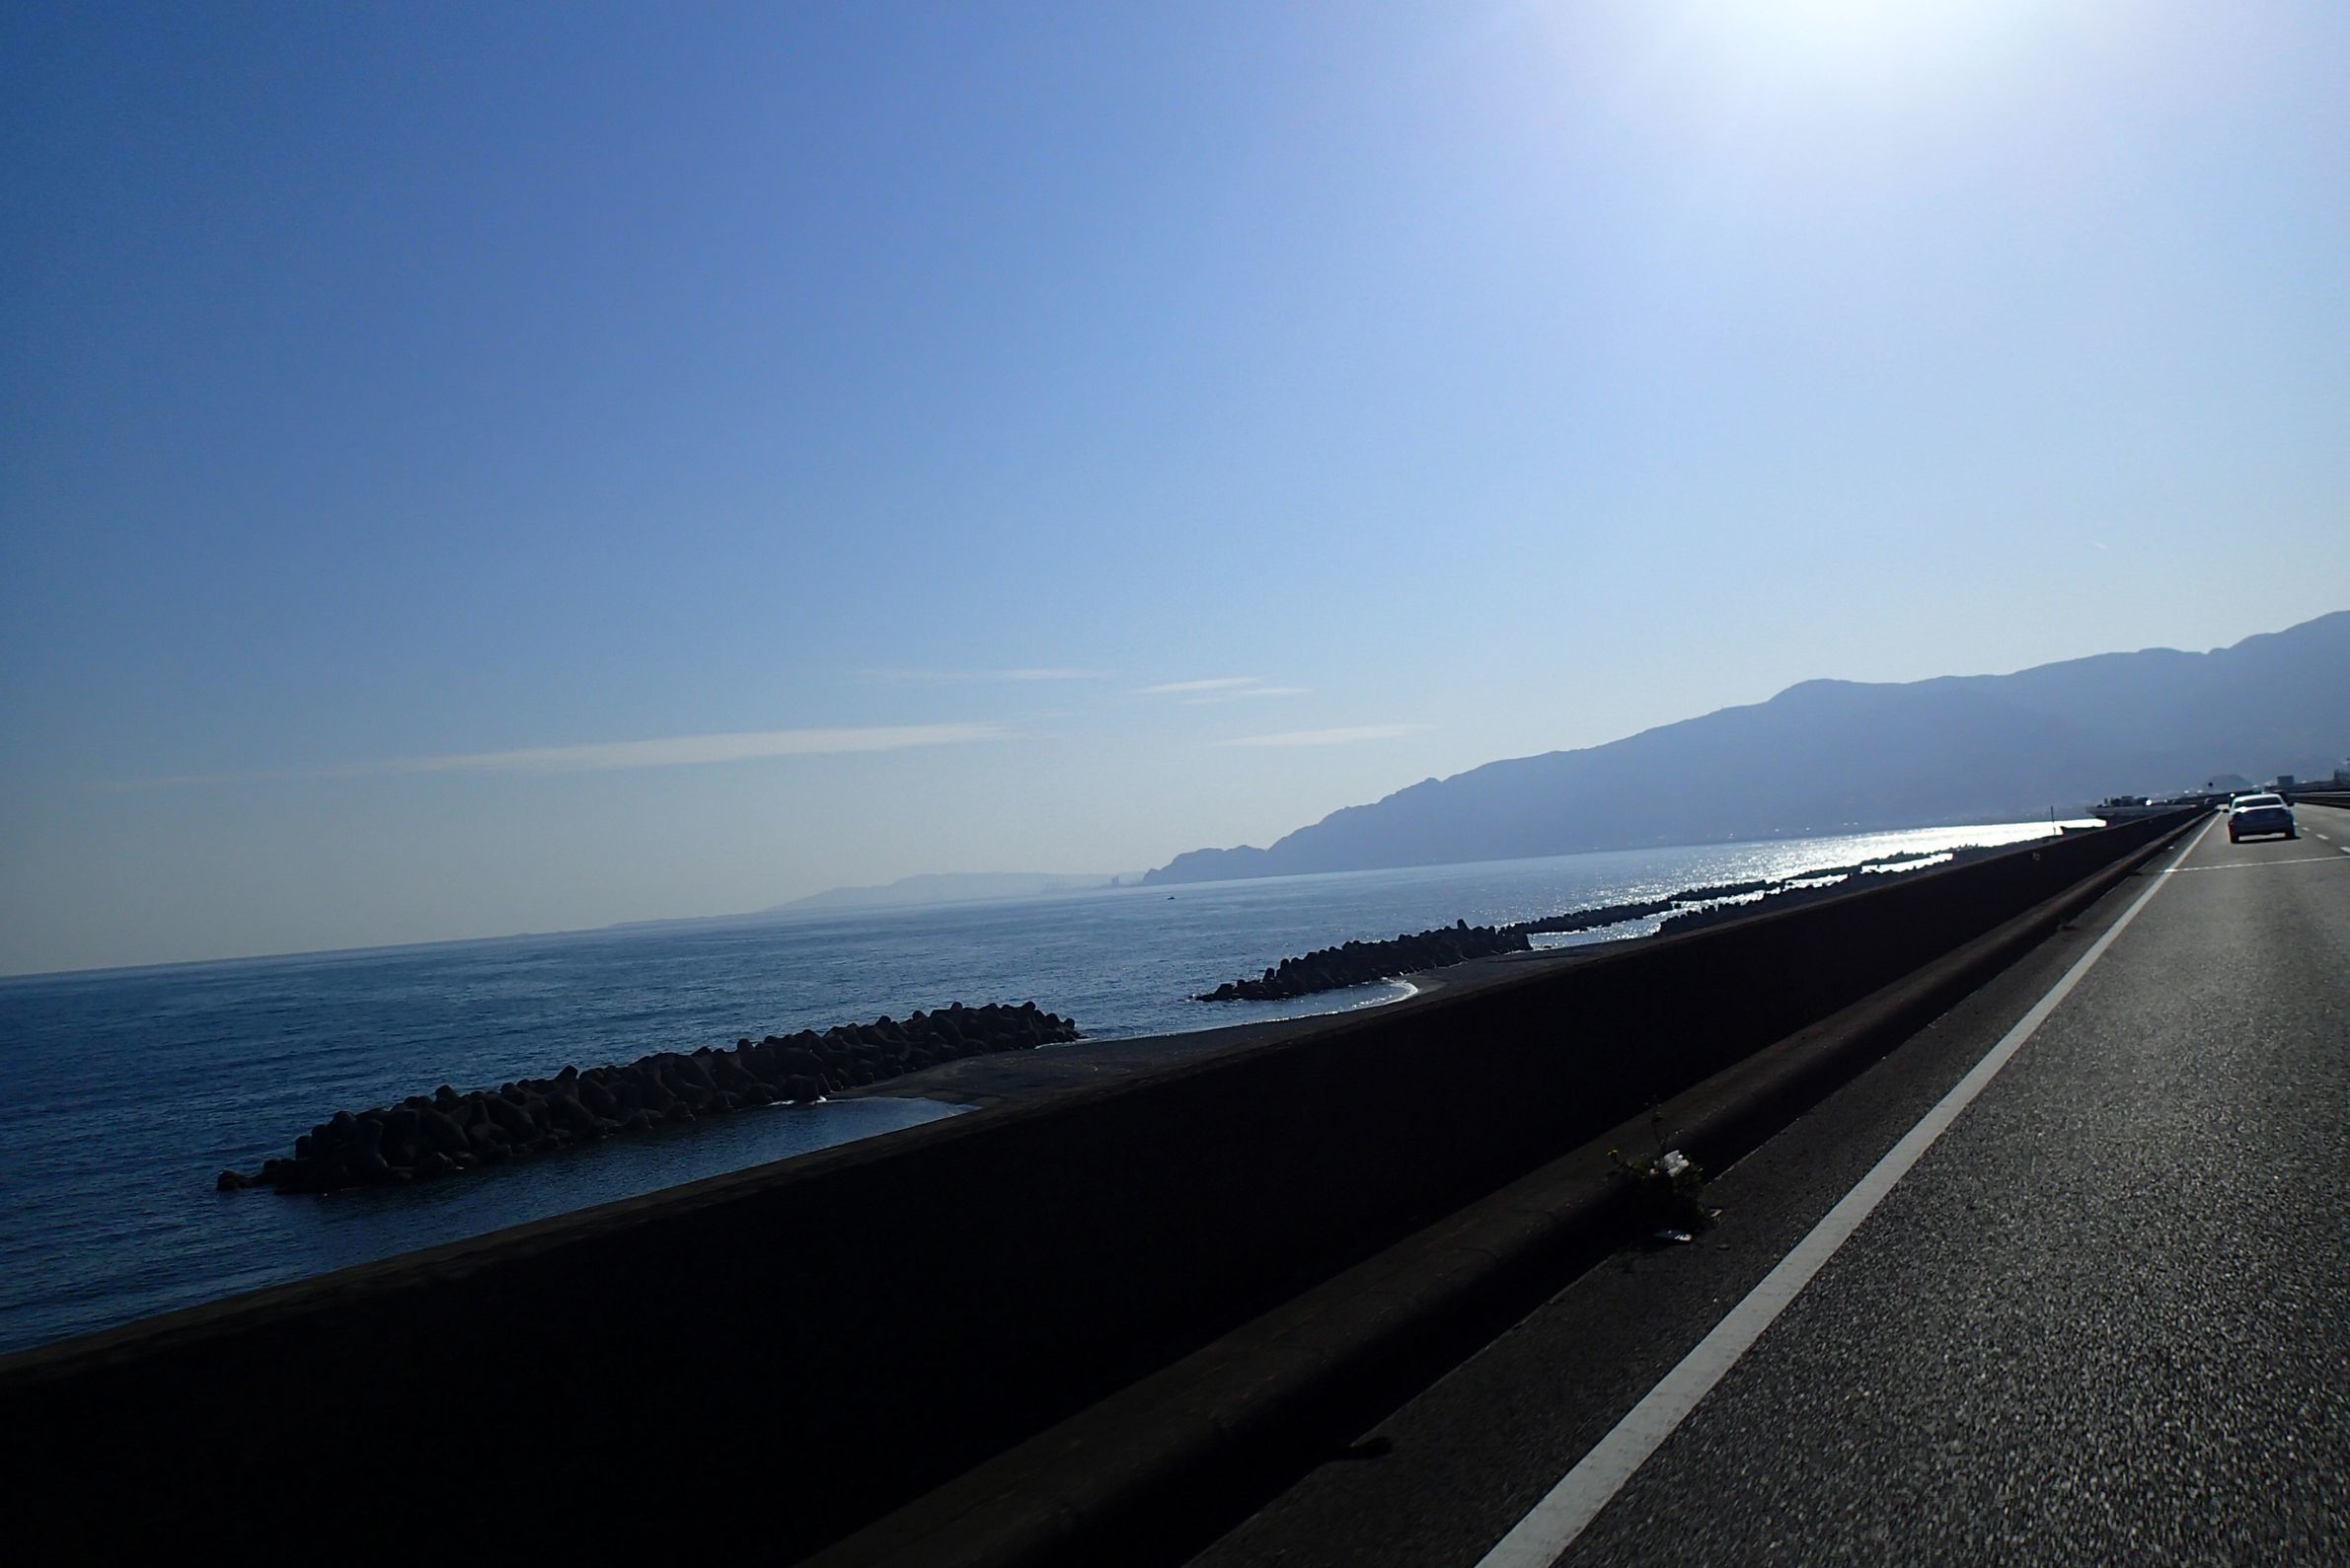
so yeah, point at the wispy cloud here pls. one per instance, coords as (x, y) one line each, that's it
(672, 751)
(1329, 737)
(1042, 672)
(1221, 683)
(1246, 692)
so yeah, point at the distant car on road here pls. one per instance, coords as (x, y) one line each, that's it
(2251, 816)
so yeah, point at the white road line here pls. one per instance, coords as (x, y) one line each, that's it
(1538, 1539)
(2251, 865)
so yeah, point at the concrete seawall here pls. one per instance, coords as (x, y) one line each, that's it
(760, 1362)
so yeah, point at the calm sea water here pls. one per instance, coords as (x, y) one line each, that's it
(124, 1093)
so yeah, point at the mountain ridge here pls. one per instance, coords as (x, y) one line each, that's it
(1828, 755)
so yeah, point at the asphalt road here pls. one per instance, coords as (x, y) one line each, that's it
(2106, 1317)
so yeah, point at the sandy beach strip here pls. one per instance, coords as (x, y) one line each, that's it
(1008, 1077)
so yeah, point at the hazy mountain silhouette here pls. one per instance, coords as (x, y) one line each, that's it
(951, 887)
(1839, 756)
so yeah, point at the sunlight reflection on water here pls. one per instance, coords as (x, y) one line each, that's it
(125, 1093)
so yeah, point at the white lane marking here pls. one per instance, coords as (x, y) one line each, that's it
(1542, 1535)
(2251, 865)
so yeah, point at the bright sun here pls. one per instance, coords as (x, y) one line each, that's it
(1870, 43)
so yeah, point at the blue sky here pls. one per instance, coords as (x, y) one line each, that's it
(472, 469)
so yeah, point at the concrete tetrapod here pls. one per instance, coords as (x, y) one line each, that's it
(445, 1132)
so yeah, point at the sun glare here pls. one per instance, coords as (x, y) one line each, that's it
(1886, 45)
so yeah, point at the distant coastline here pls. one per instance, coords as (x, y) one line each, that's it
(247, 1051)
(1825, 758)
(956, 887)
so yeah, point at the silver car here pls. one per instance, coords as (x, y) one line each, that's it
(2252, 816)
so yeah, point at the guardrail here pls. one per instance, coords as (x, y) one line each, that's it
(764, 1361)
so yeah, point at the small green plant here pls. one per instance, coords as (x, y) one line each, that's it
(1668, 1186)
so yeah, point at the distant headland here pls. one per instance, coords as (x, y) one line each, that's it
(956, 887)
(1827, 757)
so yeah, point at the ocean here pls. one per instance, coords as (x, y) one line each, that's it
(122, 1093)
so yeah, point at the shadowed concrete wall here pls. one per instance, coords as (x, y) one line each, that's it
(754, 1365)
